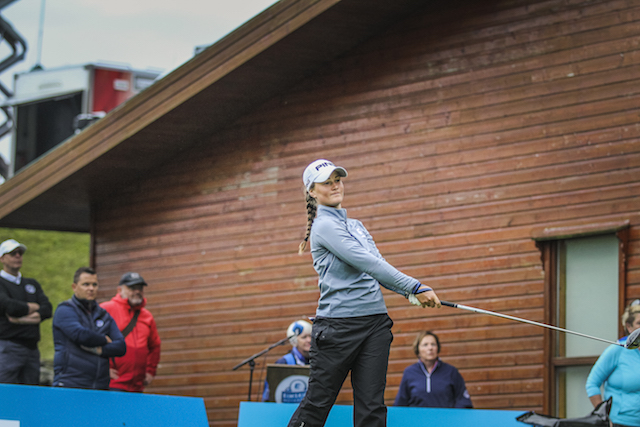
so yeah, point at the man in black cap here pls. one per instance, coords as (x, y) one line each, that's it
(23, 305)
(137, 368)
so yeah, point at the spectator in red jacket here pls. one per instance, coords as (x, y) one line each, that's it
(137, 368)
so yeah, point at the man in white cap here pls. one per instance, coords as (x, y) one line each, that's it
(23, 305)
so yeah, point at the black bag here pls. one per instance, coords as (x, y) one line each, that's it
(131, 324)
(599, 417)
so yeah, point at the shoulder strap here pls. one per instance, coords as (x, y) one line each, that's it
(290, 359)
(131, 324)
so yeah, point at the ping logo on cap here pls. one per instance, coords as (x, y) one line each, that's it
(323, 165)
(319, 171)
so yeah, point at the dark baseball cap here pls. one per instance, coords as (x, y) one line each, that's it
(131, 279)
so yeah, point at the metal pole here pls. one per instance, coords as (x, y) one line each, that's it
(40, 35)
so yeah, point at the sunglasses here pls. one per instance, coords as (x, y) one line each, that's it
(14, 253)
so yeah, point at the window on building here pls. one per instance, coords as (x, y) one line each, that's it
(584, 292)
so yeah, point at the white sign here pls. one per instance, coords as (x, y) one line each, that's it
(291, 389)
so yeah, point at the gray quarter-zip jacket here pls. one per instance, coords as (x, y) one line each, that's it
(350, 267)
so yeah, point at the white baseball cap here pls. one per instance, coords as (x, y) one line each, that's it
(10, 245)
(320, 171)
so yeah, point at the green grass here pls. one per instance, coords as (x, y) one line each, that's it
(51, 258)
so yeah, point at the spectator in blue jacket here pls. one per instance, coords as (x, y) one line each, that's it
(431, 382)
(85, 336)
(300, 333)
(618, 369)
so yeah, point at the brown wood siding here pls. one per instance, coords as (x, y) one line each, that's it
(463, 129)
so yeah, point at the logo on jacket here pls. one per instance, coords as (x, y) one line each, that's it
(361, 232)
(30, 289)
(99, 323)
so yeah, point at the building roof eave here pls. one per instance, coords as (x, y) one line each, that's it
(259, 60)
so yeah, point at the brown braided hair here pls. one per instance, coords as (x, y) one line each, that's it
(312, 207)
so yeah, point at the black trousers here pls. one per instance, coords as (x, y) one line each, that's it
(360, 345)
(19, 364)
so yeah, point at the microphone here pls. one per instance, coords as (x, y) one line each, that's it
(297, 329)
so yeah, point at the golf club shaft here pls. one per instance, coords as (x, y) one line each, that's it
(518, 319)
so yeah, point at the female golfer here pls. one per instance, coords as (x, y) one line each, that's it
(351, 331)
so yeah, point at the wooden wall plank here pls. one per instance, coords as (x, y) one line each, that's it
(463, 134)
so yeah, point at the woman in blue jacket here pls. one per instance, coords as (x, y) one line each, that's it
(431, 382)
(300, 333)
(618, 369)
(351, 331)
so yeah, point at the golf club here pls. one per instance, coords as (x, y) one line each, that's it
(632, 341)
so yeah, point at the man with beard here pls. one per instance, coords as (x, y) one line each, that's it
(137, 368)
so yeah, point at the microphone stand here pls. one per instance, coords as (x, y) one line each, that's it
(252, 363)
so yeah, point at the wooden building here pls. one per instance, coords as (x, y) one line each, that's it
(493, 153)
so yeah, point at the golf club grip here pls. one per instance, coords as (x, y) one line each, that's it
(449, 304)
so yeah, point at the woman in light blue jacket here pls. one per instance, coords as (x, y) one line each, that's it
(619, 369)
(352, 331)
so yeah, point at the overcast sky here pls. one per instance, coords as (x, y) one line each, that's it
(143, 34)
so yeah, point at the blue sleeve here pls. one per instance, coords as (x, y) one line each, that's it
(461, 395)
(402, 398)
(117, 347)
(265, 393)
(66, 320)
(342, 244)
(601, 370)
